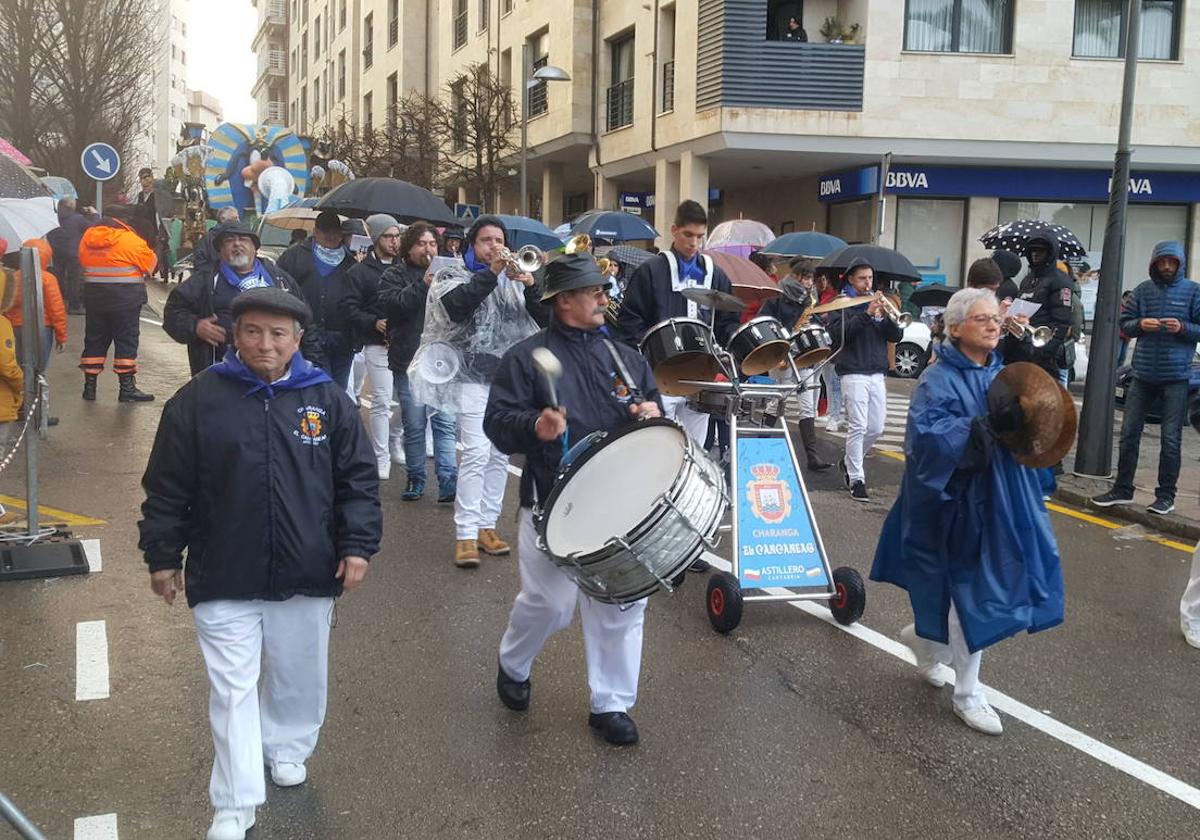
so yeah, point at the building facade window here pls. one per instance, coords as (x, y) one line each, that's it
(304, 55)
(368, 40)
(393, 22)
(539, 48)
(968, 26)
(317, 36)
(457, 103)
(393, 100)
(316, 99)
(851, 220)
(341, 15)
(303, 108)
(506, 7)
(295, 64)
(485, 14)
(1100, 29)
(304, 11)
(366, 118)
(459, 24)
(929, 231)
(341, 75)
(620, 92)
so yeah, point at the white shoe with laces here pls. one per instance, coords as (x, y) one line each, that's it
(927, 659)
(1191, 633)
(981, 718)
(831, 425)
(231, 824)
(288, 773)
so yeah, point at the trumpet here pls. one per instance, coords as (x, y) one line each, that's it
(900, 319)
(526, 260)
(1038, 336)
(578, 244)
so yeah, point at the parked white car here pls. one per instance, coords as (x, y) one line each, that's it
(912, 353)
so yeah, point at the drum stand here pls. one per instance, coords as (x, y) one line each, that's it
(778, 553)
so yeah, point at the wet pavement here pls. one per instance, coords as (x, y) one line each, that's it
(788, 727)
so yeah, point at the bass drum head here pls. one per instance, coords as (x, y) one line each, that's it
(613, 487)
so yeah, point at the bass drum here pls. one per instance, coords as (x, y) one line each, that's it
(759, 345)
(631, 510)
(811, 345)
(678, 349)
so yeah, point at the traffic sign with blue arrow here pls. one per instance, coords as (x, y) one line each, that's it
(100, 161)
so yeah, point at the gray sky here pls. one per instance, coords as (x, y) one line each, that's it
(219, 58)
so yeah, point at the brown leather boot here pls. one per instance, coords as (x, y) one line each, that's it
(466, 554)
(490, 543)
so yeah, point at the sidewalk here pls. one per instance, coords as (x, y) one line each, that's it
(1183, 523)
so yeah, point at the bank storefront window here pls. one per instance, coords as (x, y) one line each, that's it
(852, 220)
(930, 233)
(1145, 225)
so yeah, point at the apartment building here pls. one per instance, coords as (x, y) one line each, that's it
(969, 112)
(156, 133)
(270, 45)
(204, 108)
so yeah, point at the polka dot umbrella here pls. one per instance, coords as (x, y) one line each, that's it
(18, 182)
(1014, 236)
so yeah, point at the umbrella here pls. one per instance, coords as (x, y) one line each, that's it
(7, 148)
(890, 266)
(18, 182)
(293, 218)
(406, 202)
(628, 256)
(26, 218)
(1013, 236)
(750, 283)
(613, 226)
(934, 294)
(807, 243)
(739, 236)
(59, 187)
(563, 231)
(524, 231)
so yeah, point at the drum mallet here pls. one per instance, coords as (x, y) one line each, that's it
(550, 368)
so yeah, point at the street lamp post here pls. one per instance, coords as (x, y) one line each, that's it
(549, 73)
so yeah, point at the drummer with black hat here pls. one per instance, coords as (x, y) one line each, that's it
(523, 416)
(198, 311)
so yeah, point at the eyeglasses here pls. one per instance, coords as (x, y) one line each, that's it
(985, 319)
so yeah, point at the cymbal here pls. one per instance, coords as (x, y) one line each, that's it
(721, 301)
(840, 302)
(1050, 416)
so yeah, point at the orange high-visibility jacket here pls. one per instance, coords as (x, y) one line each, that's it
(52, 302)
(115, 256)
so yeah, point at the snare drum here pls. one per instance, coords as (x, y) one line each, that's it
(632, 511)
(811, 345)
(759, 345)
(680, 348)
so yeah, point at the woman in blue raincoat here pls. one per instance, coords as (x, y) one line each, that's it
(969, 536)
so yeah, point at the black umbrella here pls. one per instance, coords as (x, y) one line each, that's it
(405, 202)
(890, 266)
(935, 294)
(1014, 236)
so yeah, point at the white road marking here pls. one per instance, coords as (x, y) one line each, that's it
(102, 827)
(91, 549)
(91, 661)
(1098, 750)
(146, 320)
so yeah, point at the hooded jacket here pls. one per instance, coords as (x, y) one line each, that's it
(115, 261)
(1163, 356)
(266, 487)
(12, 378)
(53, 310)
(1051, 289)
(463, 299)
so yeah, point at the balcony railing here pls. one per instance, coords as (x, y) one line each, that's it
(368, 55)
(272, 63)
(393, 31)
(460, 30)
(620, 105)
(668, 87)
(276, 113)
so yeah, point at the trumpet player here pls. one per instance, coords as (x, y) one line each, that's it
(861, 335)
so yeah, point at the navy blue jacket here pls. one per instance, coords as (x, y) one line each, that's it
(360, 307)
(267, 487)
(863, 347)
(401, 298)
(591, 390)
(1163, 356)
(324, 294)
(649, 300)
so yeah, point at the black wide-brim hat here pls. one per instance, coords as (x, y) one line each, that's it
(234, 229)
(271, 299)
(570, 272)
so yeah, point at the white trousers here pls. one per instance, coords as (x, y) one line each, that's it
(358, 373)
(695, 423)
(865, 399)
(482, 469)
(277, 718)
(379, 386)
(807, 388)
(968, 692)
(612, 637)
(1189, 604)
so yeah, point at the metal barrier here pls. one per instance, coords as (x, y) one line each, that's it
(19, 821)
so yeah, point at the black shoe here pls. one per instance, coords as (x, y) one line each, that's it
(51, 421)
(858, 492)
(699, 566)
(89, 386)
(1112, 497)
(841, 465)
(414, 490)
(817, 465)
(513, 694)
(1161, 506)
(616, 727)
(129, 390)
(446, 492)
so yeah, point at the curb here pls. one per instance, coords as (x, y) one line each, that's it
(1176, 526)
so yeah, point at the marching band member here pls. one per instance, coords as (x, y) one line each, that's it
(969, 536)
(653, 296)
(521, 418)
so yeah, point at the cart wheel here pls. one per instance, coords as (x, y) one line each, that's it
(850, 597)
(723, 598)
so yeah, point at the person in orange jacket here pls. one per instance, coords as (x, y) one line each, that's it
(12, 379)
(53, 308)
(115, 260)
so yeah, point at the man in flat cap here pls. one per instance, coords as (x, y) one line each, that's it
(520, 417)
(261, 471)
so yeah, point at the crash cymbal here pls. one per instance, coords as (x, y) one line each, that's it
(721, 301)
(840, 302)
(1050, 417)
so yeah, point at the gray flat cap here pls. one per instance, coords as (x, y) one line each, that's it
(271, 299)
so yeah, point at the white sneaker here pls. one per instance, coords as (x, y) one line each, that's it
(231, 824)
(1191, 633)
(288, 773)
(927, 658)
(981, 718)
(831, 425)
(398, 457)
(385, 470)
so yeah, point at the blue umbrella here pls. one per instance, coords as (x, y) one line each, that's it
(807, 243)
(613, 226)
(524, 231)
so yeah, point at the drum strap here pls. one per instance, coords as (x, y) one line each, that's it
(635, 392)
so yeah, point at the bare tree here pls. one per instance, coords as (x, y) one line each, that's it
(76, 71)
(405, 147)
(475, 118)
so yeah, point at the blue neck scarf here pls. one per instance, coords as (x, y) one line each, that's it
(256, 278)
(327, 259)
(689, 269)
(472, 263)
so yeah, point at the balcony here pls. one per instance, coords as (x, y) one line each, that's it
(668, 88)
(272, 64)
(273, 22)
(737, 67)
(619, 102)
(276, 113)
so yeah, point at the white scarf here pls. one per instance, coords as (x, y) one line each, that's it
(678, 284)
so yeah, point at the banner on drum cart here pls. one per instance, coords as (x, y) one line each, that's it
(777, 545)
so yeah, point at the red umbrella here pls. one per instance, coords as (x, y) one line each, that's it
(750, 283)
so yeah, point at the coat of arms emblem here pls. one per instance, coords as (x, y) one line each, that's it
(770, 496)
